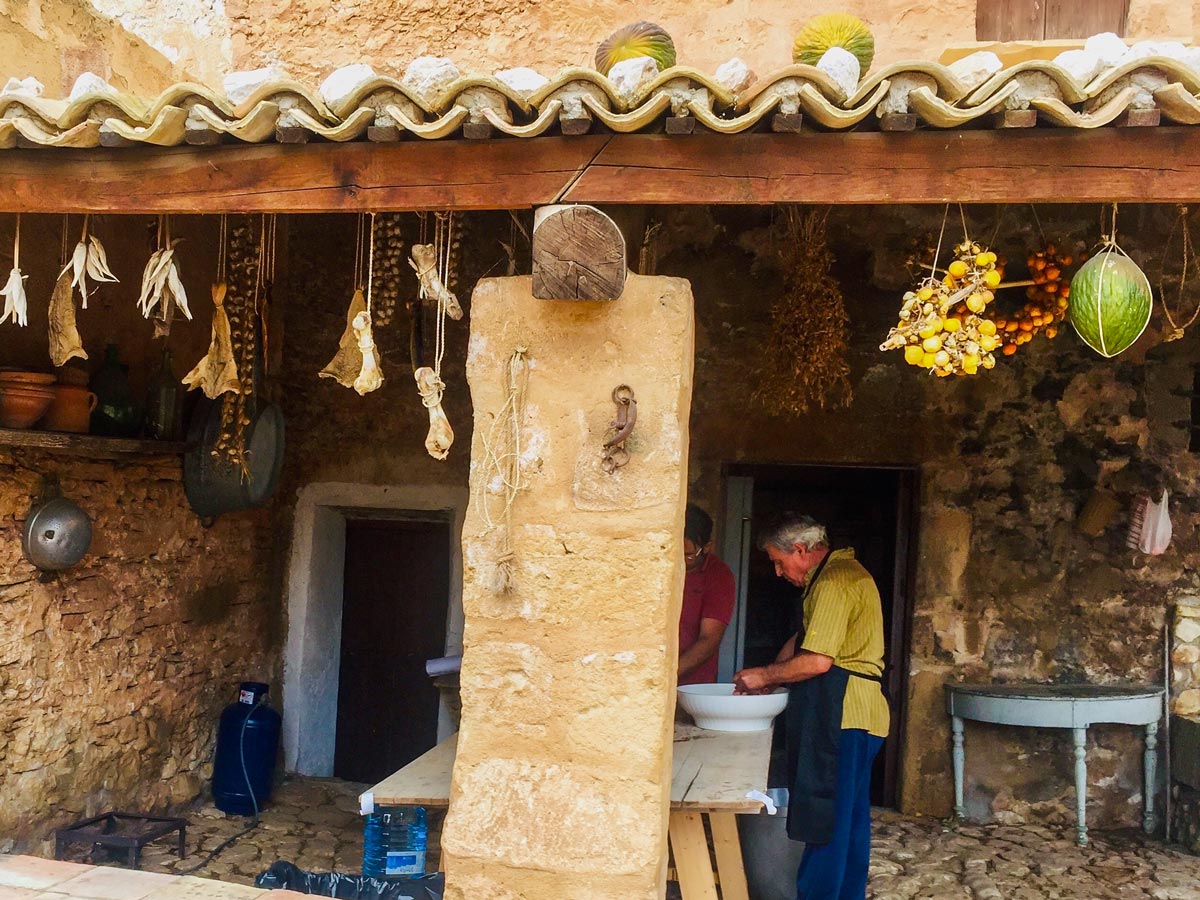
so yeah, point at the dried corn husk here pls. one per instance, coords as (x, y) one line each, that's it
(217, 373)
(65, 342)
(16, 306)
(441, 435)
(88, 261)
(370, 376)
(424, 263)
(347, 362)
(161, 283)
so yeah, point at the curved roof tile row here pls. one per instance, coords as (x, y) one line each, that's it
(933, 93)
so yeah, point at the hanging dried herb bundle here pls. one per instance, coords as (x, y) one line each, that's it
(805, 358)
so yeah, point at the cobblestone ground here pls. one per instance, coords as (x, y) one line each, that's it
(314, 823)
(925, 858)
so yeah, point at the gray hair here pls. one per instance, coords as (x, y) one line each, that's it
(793, 529)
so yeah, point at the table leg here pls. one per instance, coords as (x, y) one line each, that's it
(956, 725)
(728, 849)
(692, 865)
(1149, 765)
(1080, 786)
(182, 841)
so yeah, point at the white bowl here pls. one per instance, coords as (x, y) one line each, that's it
(716, 708)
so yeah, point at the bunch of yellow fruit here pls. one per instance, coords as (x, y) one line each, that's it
(942, 325)
(1046, 300)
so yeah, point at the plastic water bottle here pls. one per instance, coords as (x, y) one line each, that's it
(394, 842)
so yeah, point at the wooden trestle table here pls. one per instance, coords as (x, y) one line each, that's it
(712, 771)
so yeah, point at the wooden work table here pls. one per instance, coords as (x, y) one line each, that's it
(711, 773)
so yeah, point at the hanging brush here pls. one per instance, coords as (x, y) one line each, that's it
(1137, 522)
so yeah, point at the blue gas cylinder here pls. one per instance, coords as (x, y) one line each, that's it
(247, 742)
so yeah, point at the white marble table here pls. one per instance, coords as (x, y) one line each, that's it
(1074, 706)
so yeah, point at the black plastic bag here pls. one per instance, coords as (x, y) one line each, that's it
(285, 876)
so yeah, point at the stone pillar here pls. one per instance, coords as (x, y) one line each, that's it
(1185, 657)
(561, 783)
(1185, 724)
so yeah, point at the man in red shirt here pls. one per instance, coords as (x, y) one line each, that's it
(708, 593)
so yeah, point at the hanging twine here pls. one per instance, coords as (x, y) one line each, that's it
(1176, 330)
(502, 460)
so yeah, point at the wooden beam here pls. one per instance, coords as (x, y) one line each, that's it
(1149, 165)
(318, 177)
(1044, 165)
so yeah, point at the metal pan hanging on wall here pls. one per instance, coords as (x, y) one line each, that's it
(213, 485)
(57, 534)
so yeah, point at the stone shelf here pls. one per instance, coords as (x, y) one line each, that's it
(87, 444)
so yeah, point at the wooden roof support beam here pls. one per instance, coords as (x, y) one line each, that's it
(1041, 165)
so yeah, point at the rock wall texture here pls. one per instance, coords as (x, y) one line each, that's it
(112, 675)
(147, 45)
(562, 775)
(1006, 587)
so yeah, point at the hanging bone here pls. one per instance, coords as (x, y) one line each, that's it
(424, 263)
(217, 373)
(65, 342)
(347, 362)
(370, 378)
(441, 435)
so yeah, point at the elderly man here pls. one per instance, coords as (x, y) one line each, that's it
(837, 716)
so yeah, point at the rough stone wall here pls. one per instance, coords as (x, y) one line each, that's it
(1185, 657)
(562, 775)
(58, 40)
(1006, 587)
(203, 39)
(112, 675)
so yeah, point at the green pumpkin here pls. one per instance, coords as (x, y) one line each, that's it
(638, 39)
(1110, 302)
(834, 30)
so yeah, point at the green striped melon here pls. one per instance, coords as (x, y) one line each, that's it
(834, 30)
(638, 39)
(1110, 302)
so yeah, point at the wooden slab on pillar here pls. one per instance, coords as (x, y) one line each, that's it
(578, 254)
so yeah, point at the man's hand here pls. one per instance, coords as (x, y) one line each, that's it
(753, 681)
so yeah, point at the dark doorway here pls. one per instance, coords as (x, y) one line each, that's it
(394, 608)
(869, 509)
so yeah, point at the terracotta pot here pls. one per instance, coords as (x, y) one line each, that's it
(22, 405)
(71, 409)
(21, 379)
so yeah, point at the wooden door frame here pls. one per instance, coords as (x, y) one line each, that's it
(906, 554)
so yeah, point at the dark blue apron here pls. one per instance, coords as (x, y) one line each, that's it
(812, 734)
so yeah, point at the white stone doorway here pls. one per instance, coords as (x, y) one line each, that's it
(312, 655)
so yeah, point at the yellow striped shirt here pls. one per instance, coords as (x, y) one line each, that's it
(843, 618)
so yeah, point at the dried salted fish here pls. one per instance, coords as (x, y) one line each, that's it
(15, 304)
(216, 373)
(370, 378)
(65, 342)
(441, 435)
(424, 263)
(347, 362)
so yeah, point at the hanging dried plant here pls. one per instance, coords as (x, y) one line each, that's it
(805, 360)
